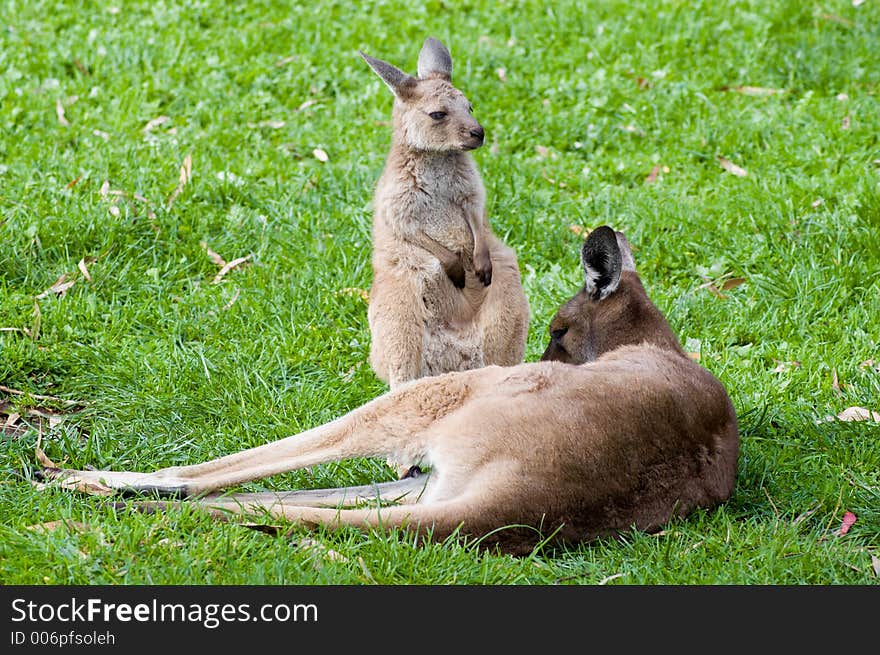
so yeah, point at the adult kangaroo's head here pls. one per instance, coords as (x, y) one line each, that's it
(611, 310)
(429, 113)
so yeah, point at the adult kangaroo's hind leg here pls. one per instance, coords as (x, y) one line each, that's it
(392, 425)
(437, 519)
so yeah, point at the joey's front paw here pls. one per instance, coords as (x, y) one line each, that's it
(483, 268)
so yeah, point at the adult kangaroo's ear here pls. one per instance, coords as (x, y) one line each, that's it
(626, 253)
(399, 82)
(602, 263)
(435, 60)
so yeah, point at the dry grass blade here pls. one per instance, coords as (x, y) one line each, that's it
(183, 179)
(18, 392)
(732, 168)
(755, 90)
(38, 451)
(228, 267)
(213, 256)
(875, 564)
(59, 112)
(34, 332)
(652, 176)
(231, 300)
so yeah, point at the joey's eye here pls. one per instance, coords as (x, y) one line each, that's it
(437, 115)
(556, 335)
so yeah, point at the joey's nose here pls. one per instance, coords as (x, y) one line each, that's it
(478, 133)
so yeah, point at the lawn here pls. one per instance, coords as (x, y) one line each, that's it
(145, 144)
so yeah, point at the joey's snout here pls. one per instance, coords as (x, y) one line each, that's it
(474, 137)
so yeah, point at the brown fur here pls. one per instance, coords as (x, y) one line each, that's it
(446, 292)
(627, 435)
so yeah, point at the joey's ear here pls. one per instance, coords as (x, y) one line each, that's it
(398, 81)
(435, 60)
(626, 254)
(602, 263)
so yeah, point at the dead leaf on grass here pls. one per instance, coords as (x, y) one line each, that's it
(652, 176)
(228, 267)
(840, 20)
(853, 414)
(320, 155)
(312, 544)
(875, 564)
(782, 367)
(844, 124)
(859, 414)
(578, 230)
(501, 73)
(156, 122)
(307, 104)
(51, 526)
(732, 283)
(59, 288)
(286, 60)
(732, 168)
(870, 363)
(83, 269)
(728, 284)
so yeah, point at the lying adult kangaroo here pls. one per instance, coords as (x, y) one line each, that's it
(446, 292)
(631, 435)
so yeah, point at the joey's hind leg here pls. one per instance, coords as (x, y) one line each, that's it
(397, 324)
(504, 316)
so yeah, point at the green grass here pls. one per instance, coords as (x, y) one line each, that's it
(173, 369)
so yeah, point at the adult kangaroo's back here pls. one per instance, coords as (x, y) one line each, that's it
(446, 293)
(623, 431)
